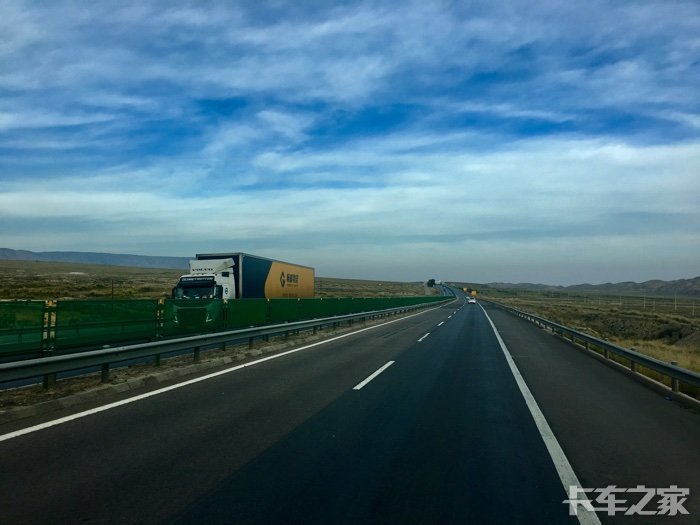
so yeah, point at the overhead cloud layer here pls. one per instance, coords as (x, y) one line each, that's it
(512, 141)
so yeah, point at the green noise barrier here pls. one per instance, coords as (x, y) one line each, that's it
(33, 326)
(243, 313)
(89, 323)
(21, 326)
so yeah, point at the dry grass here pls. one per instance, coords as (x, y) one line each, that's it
(53, 280)
(685, 357)
(331, 287)
(666, 337)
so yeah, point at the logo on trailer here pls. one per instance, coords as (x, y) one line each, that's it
(290, 278)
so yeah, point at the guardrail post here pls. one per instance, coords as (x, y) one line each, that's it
(157, 363)
(105, 373)
(196, 354)
(49, 381)
(675, 384)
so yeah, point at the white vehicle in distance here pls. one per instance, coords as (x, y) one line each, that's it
(471, 300)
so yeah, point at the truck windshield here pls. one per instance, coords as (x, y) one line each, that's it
(194, 291)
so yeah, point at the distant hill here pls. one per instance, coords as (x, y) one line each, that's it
(680, 287)
(112, 259)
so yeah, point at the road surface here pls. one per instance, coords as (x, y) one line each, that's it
(419, 420)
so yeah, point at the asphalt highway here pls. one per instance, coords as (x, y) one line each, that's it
(419, 420)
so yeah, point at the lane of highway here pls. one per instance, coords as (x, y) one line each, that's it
(615, 431)
(438, 432)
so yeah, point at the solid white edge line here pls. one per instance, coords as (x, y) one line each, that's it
(421, 339)
(561, 463)
(72, 417)
(375, 374)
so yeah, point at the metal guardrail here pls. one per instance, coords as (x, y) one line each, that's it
(675, 373)
(49, 366)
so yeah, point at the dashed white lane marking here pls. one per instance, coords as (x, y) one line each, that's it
(441, 323)
(375, 374)
(421, 339)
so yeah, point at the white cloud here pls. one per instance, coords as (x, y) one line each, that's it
(17, 28)
(290, 125)
(508, 111)
(41, 119)
(540, 181)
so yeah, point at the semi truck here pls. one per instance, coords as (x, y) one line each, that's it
(230, 276)
(243, 276)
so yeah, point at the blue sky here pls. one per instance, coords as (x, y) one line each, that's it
(552, 141)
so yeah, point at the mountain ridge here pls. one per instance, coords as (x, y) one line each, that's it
(110, 259)
(678, 287)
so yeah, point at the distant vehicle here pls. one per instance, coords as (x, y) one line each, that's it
(471, 300)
